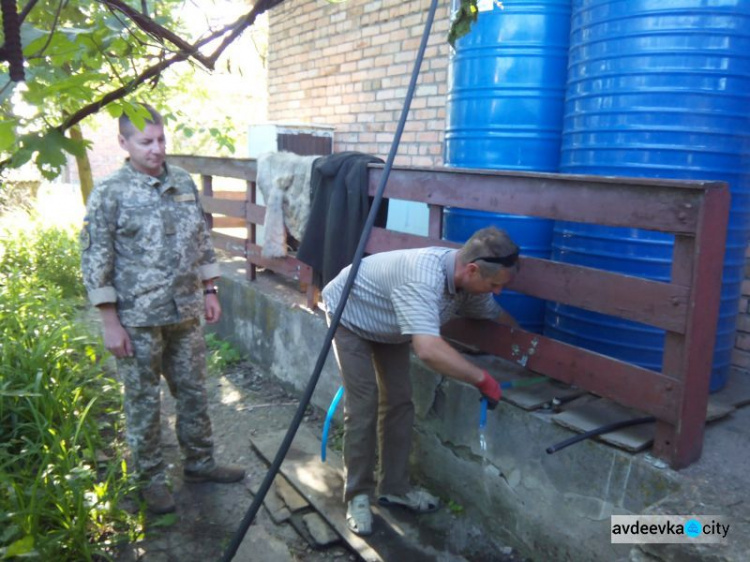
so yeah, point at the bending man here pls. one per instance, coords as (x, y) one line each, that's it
(400, 297)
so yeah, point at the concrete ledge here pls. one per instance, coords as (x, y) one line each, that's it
(551, 507)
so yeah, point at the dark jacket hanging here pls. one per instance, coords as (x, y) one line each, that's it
(338, 213)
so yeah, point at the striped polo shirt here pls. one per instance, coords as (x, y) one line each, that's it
(405, 292)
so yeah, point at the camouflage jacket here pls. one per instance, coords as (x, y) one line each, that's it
(145, 246)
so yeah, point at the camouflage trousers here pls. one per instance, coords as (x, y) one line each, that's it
(178, 352)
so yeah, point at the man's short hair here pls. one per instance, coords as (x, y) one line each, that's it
(126, 125)
(492, 250)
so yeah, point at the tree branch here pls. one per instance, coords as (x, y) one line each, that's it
(25, 12)
(156, 30)
(152, 72)
(240, 25)
(120, 92)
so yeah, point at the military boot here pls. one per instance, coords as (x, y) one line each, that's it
(219, 474)
(158, 498)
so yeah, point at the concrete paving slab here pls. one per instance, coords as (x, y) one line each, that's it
(736, 392)
(603, 412)
(277, 509)
(260, 546)
(534, 397)
(717, 410)
(320, 530)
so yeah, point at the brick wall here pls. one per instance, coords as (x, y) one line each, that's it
(348, 65)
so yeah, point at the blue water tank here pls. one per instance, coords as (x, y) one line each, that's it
(661, 89)
(506, 90)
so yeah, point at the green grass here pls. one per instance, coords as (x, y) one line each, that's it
(220, 354)
(62, 475)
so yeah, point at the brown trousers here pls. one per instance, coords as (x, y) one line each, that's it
(378, 412)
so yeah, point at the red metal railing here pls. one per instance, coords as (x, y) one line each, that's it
(695, 212)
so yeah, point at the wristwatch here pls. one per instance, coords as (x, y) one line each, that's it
(211, 291)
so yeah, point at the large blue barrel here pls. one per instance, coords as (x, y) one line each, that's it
(656, 88)
(506, 90)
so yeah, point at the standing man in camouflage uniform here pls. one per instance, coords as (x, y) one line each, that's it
(149, 267)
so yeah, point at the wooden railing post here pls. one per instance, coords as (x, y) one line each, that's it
(251, 198)
(435, 224)
(697, 262)
(207, 186)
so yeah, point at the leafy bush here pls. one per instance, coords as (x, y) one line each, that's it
(62, 477)
(50, 254)
(220, 354)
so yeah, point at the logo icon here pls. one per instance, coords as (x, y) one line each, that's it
(693, 528)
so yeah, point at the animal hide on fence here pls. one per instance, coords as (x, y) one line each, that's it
(284, 180)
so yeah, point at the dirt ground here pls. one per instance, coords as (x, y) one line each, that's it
(243, 402)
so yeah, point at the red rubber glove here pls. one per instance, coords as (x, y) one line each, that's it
(490, 390)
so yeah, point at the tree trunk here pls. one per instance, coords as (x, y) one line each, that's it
(84, 165)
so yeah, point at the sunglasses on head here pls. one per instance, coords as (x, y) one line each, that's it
(506, 261)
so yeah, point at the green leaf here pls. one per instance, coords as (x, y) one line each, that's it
(9, 532)
(137, 114)
(20, 547)
(50, 149)
(114, 110)
(467, 13)
(56, 44)
(165, 521)
(7, 135)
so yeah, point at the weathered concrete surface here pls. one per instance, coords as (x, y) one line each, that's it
(268, 320)
(551, 507)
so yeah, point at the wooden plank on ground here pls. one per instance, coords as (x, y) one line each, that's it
(322, 484)
(603, 412)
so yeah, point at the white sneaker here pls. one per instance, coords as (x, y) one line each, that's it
(358, 515)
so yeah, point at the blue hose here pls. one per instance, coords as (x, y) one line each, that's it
(327, 424)
(482, 411)
(483, 414)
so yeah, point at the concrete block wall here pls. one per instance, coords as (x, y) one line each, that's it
(349, 64)
(552, 507)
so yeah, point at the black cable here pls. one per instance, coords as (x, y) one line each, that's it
(369, 223)
(599, 431)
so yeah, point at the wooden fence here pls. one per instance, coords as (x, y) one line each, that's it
(695, 212)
